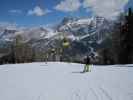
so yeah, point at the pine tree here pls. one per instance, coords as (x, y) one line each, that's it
(126, 39)
(22, 51)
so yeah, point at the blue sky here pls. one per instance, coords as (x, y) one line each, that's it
(46, 12)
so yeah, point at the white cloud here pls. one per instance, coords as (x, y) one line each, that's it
(106, 8)
(8, 25)
(68, 5)
(38, 11)
(15, 11)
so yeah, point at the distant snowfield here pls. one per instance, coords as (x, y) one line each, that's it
(63, 81)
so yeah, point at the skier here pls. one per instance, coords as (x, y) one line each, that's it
(87, 64)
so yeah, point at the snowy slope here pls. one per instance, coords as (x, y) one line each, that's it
(62, 81)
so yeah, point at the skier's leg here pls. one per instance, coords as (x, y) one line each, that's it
(85, 68)
(88, 68)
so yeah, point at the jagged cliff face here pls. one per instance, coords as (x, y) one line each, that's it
(84, 35)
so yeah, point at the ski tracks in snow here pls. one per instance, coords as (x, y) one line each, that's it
(92, 94)
(106, 93)
(76, 95)
(98, 93)
(79, 94)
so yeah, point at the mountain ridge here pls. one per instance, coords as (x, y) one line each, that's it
(85, 33)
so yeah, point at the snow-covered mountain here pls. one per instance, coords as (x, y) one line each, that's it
(85, 33)
(26, 33)
(96, 28)
(73, 28)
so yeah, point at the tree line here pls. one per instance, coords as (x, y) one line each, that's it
(120, 50)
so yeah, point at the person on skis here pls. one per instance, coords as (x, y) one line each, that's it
(87, 64)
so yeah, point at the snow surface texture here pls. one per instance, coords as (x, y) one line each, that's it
(63, 81)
